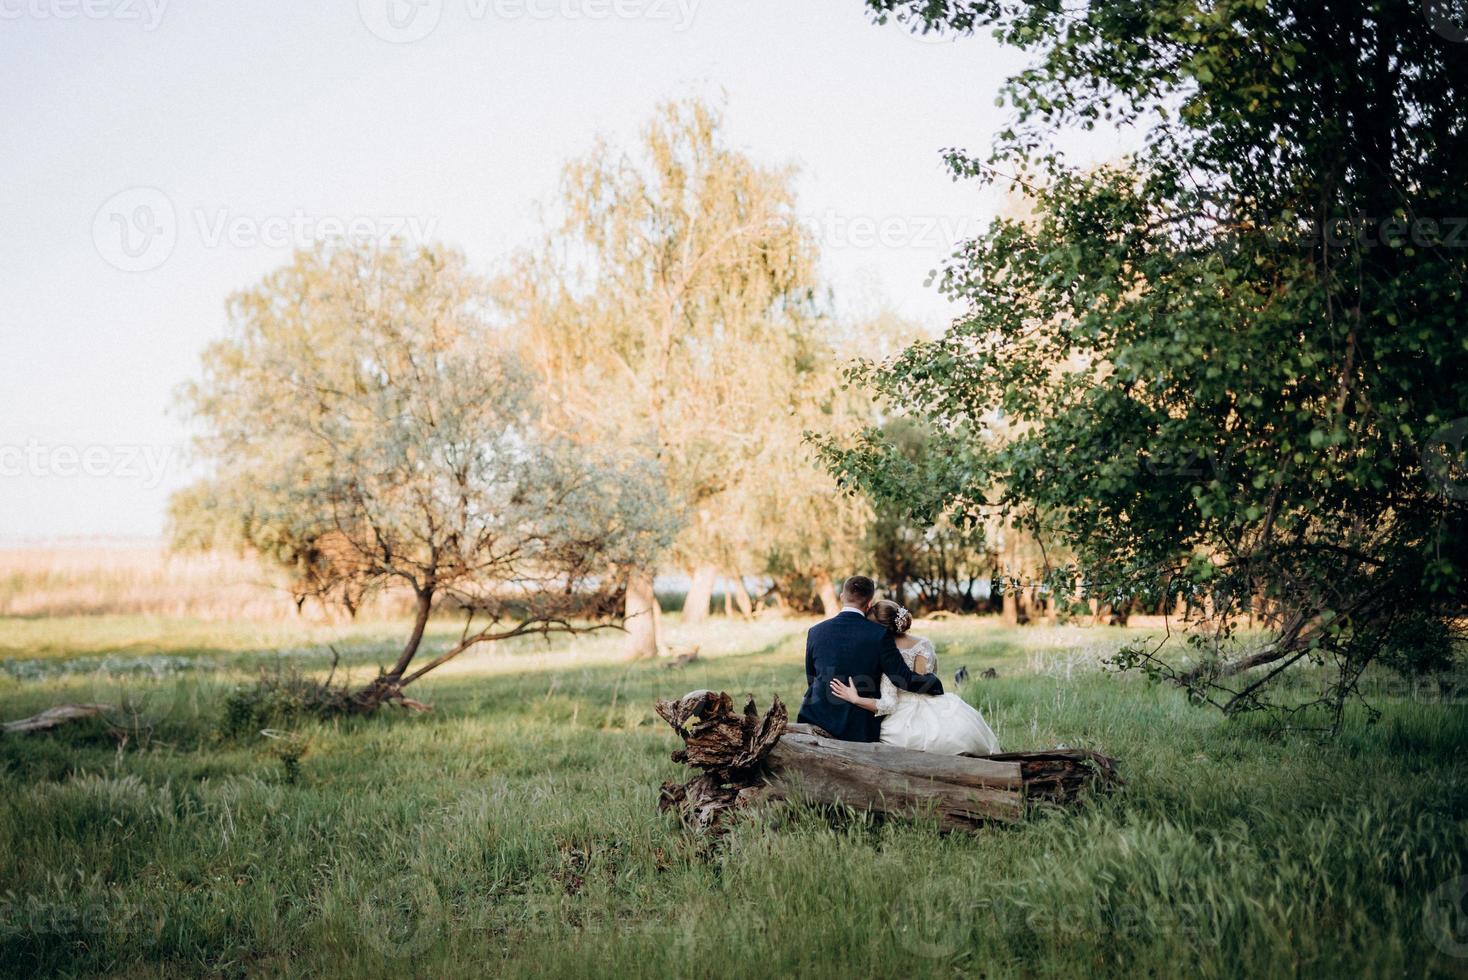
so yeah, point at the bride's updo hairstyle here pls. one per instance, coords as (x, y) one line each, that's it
(889, 614)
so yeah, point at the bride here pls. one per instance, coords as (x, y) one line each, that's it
(945, 724)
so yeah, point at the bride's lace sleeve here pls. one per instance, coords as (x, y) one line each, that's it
(929, 653)
(887, 698)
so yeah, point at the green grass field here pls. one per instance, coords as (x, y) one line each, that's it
(513, 830)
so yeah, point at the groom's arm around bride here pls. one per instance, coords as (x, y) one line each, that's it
(850, 646)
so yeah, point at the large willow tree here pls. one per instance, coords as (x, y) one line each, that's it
(1237, 361)
(671, 309)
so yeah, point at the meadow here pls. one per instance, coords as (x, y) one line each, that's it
(513, 830)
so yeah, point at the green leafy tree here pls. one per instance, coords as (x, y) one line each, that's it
(366, 430)
(930, 558)
(1234, 363)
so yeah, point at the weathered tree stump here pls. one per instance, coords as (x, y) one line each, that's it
(747, 757)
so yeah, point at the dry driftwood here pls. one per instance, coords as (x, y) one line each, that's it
(747, 757)
(55, 717)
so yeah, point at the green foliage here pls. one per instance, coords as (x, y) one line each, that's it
(1419, 646)
(367, 429)
(1218, 363)
(938, 557)
(279, 696)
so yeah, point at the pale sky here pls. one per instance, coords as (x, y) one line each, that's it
(161, 154)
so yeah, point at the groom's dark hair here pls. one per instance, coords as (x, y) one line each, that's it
(859, 590)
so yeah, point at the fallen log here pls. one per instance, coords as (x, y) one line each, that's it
(56, 717)
(747, 757)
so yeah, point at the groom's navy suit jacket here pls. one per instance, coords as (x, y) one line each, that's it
(848, 645)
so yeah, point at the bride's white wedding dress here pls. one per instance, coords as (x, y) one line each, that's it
(945, 724)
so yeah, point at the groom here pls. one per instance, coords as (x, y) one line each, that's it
(848, 645)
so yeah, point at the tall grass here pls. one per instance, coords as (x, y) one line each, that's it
(145, 579)
(513, 831)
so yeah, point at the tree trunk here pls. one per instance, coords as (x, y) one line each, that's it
(642, 616)
(700, 593)
(747, 758)
(1011, 605)
(420, 623)
(826, 589)
(741, 596)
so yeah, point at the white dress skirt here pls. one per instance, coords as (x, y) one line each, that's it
(945, 724)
